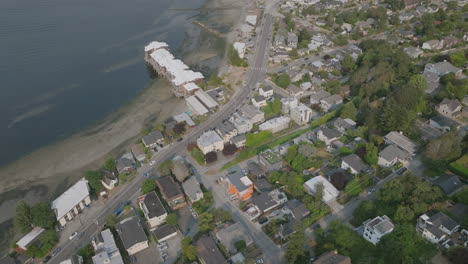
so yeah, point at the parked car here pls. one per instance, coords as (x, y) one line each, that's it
(401, 170)
(262, 220)
(73, 235)
(80, 235)
(56, 251)
(46, 259)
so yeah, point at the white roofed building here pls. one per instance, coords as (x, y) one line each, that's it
(329, 191)
(195, 106)
(71, 202)
(210, 141)
(375, 229)
(399, 140)
(251, 20)
(240, 48)
(29, 238)
(275, 124)
(105, 248)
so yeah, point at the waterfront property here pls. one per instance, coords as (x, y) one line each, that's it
(28, 239)
(71, 202)
(181, 77)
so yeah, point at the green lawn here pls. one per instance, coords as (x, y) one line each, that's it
(460, 166)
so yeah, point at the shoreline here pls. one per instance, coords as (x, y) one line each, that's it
(46, 172)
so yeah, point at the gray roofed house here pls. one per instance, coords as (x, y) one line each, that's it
(354, 163)
(180, 169)
(262, 186)
(266, 202)
(125, 163)
(192, 189)
(138, 152)
(171, 192)
(413, 52)
(259, 101)
(332, 257)
(208, 252)
(328, 135)
(392, 154)
(255, 169)
(153, 209)
(253, 113)
(449, 107)
(105, 248)
(165, 232)
(436, 228)
(377, 227)
(132, 234)
(331, 102)
(153, 139)
(316, 97)
(229, 235)
(298, 209)
(443, 123)
(343, 124)
(235, 178)
(226, 130)
(401, 141)
(432, 81)
(442, 68)
(449, 183)
(239, 141)
(292, 40)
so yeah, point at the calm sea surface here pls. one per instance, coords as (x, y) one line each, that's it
(65, 65)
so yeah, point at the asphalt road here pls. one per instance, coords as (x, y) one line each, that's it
(254, 75)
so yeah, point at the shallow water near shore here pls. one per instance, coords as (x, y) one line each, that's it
(48, 171)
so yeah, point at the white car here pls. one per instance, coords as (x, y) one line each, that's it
(73, 235)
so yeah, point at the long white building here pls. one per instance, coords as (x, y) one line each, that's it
(179, 74)
(275, 124)
(71, 202)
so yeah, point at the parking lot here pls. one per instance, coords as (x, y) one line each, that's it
(148, 255)
(186, 220)
(171, 251)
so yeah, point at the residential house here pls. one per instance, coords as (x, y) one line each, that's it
(171, 192)
(306, 86)
(259, 101)
(328, 135)
(354, 163)
(185, 118)
(318, 96)
(343, 125)
(399, 140)
(405, 17)
(449, 107)
(413, 52)
(30, 238)
(375, 229)
(208, 252)
(132, 235)
(263, 186)
(433, 45)
(442, 68)
(109, 180)
(450, 41)
(275, 124)
(239, 141)
(105, 249)
(165, 232)
(229, 235)
(295, 91)
(138, 152)
(255, 169)
(437, 228)
(331, 102)
(242, 123)
(253, 114)
(443, 123)
(251, 20)
(266, 91)
(226, 130)
(125, 164)
(239, 186)
(192, 189)
(329, 191)
(301, 114)
(180, 168)
(432, 81)
(279, 41)
(287, 103)
(266, 202)
(240, 48)
(292, 40)
(450, 184)
(153, 139)
(153, 209)
(72, 202)
(74, 259)
(218, 94)
(332, 257)
(270, 160)
(391, 155)
(297, 209)
(210, 141)
(411, 3)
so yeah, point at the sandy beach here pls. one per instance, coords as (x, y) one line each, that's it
(47, 172)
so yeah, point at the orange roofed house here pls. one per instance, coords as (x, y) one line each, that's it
(239, 186)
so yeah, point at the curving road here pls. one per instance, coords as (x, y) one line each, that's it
(253, 76)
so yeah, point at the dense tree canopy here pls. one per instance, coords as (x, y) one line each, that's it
(445, 148)
(148, 186)
(94, 181)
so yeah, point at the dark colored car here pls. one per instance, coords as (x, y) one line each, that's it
(46, 259)
(401, 170)
(262, 220)
(56, 251)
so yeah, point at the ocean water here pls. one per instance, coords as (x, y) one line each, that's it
(65, 65)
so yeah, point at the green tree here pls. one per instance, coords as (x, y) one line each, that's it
(403, 214)
(23, 220)
(240, 245)
(86, 252)
(166, 167)
(349, 111)
(94, 181)
(188, 250)
(458, 58)
(148, 186)
(109, 164)
(42, 215)
(445, 148)
(348, 64)
(283, 80)
(171, 219)
(296, 248)
(276, 106)
(206, 222)
(371, 156)
(111, 220)
(233, 57)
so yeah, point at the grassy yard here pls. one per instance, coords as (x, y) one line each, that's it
(460, 166)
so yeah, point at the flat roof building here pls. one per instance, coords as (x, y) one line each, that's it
(153, 209)
(132, 235)
(105, 248)
(210, 141)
